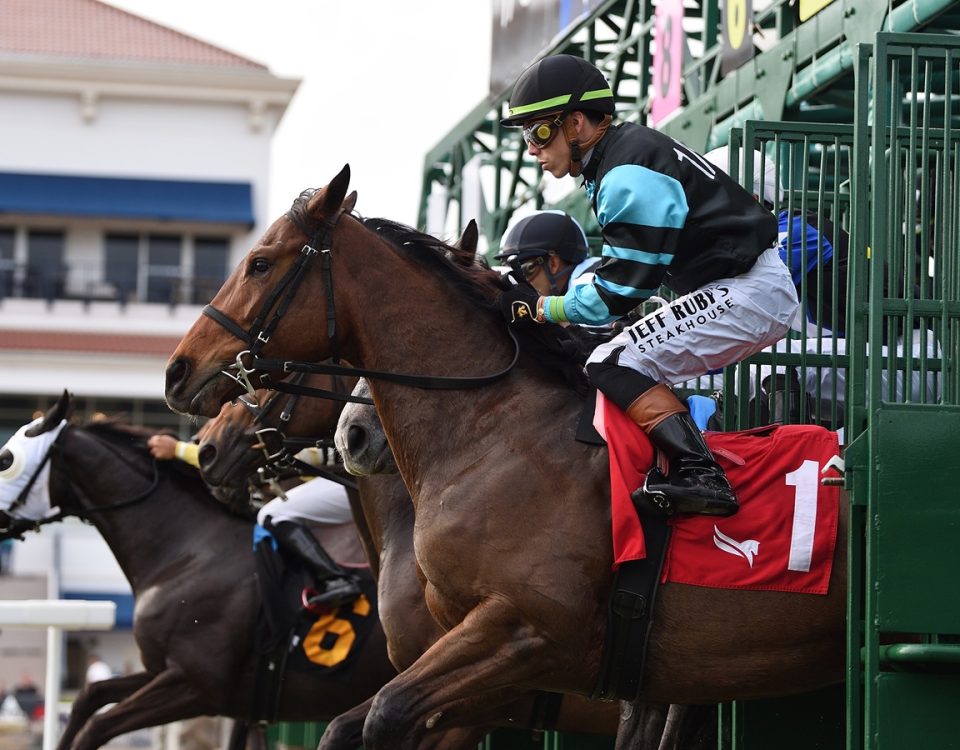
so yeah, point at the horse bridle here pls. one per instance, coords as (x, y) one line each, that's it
(281, 296)
(284, 456)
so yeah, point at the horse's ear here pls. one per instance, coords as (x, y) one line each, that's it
(54, 416)
(468, 240)
(349, 203)
(327, 202)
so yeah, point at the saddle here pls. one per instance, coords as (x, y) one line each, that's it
(288, 635)
(782, 539)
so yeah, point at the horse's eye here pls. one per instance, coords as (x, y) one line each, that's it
(9, 466)
(259, 266)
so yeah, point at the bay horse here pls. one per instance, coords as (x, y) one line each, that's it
(191, 567)
(230, 454)
(512, 529)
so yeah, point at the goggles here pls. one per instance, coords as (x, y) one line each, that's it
(540, 132)
(530, 267)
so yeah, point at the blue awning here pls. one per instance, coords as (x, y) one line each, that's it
(124, 604)
(114, 197)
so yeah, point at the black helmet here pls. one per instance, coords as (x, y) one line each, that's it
(559, 83)
(542, 233)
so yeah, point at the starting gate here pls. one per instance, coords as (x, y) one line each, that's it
(889, 186)
(892, 182)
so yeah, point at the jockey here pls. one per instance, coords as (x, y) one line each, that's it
(317, 500)
(667, 217)
(549, 249)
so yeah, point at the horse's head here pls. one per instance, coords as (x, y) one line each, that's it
(245, 314)
(251, 433)
(228, 452)
(25, 470)
(360, 438)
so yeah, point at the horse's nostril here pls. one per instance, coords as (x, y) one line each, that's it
(356, 438)
(176, 373)
(207, 455)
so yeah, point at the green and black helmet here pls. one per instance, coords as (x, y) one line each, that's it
(559, 83)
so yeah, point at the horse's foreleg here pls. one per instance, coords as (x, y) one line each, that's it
(488, 659)
(642, 725)
(97, 695)
(346, 731)
(168, 697)
(690, 728)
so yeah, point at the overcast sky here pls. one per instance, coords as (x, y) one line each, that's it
(383, 82)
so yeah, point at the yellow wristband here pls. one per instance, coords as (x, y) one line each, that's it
(189, 453)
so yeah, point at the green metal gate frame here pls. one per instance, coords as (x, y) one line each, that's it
(906, 505)
(899, 198)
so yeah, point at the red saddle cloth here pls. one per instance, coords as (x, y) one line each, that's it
(782, 538)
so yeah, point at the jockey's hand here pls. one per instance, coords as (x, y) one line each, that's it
(518, 305)
(162, 447)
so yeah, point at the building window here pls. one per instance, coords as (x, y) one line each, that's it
(163, 268)
(120, 265)
(6, 263)
(209, 267)
(46, 273)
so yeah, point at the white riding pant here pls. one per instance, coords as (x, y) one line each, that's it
(718, 324)
(316, 501)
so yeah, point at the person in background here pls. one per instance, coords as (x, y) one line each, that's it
(549, 249)
(27, 695)
(805, 242)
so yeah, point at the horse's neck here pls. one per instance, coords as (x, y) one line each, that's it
(406, 319)
(169, 527)
(386, 507)
(441, 434)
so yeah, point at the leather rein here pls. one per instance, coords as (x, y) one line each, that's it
(279, 300)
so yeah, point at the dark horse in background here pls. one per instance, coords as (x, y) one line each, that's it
(512, 528)
(191, 567)
(230, 453)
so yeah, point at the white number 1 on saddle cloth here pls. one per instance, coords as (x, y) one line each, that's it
(782, 538)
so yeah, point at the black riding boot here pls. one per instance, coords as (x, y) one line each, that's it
(696, 483)
(337, 585)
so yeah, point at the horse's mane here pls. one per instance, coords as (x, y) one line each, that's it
(117, 432)
(476, 281)
(559, 351)
(299, 215)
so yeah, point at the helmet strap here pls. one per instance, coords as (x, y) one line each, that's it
(577, 149)
(554, 279)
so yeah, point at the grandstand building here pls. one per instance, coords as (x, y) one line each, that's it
(133, 177)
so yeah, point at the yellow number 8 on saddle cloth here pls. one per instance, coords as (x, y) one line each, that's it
(332, 637)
